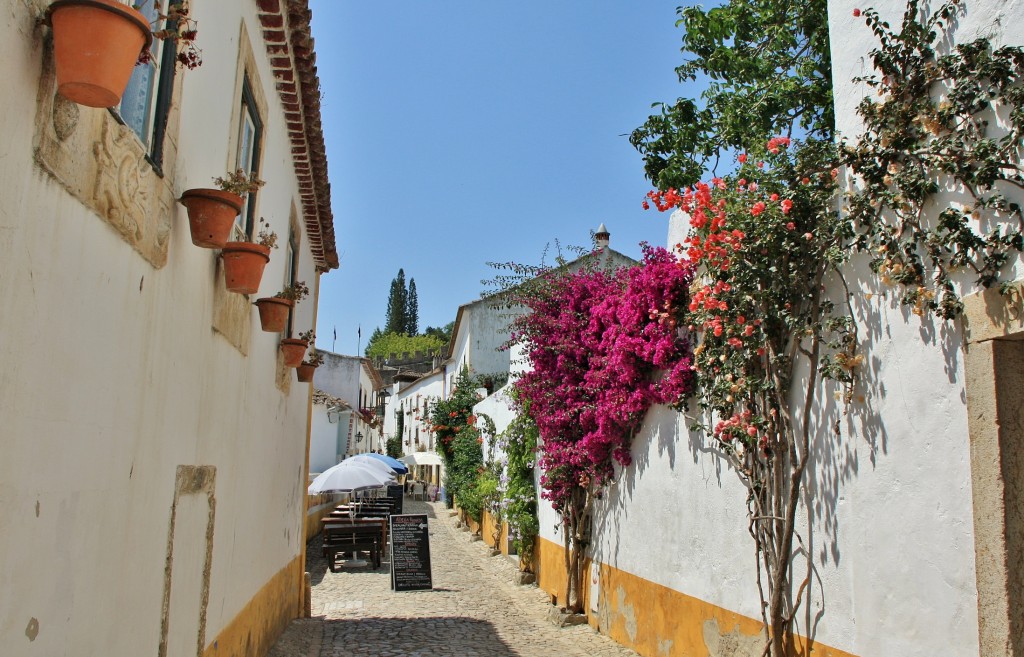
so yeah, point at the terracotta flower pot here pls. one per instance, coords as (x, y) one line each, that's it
(95, 45)
(243, 266)
(293, 351)
(211, 214)
(274, 313)
(304, 372)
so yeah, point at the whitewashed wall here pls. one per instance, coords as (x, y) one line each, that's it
(111, 377)
(426, 388)
(889, 522)
(323, 438)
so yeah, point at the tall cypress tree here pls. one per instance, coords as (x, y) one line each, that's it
(412, 310)
(398, 300)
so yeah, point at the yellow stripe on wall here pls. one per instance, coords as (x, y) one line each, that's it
(260, 623)
(657, 621)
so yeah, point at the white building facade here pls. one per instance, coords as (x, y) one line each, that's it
(144, 409)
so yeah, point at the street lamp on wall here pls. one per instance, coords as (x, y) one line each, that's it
(359, 436)
(382, 400)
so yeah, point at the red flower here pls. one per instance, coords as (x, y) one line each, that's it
(856, 13)
(742, 158)
(787, 205)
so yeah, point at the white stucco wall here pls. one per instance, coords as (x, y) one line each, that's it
(323, 439)
(412, 400)
(112, 377)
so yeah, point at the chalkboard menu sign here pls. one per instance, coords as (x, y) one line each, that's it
(395, 493)
(410, 553)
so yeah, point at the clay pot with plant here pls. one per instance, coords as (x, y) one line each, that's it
(212, 212)
(274, 310)
(304, 372)
(97, 43)
(244, 261)
(294, 349)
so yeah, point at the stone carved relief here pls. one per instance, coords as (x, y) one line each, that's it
(119, 195)
(101, 163)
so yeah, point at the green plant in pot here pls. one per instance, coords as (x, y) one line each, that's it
(274, 310)
(212, 212)
(293, 349)
(244, 262)
(304, 372)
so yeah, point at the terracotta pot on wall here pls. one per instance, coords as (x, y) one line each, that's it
(274, 313)
(95, 46)
(243, 266)
(304, 372)
(293, 351)
(211, 214)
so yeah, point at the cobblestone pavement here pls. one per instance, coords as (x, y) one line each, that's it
(473, 610)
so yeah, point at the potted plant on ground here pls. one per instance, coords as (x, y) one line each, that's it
(274, 310)
(293, 349)
(212, 212)
(304, 372)
(244, 261)
(96, 43)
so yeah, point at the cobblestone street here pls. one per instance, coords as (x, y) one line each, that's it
(473, 610)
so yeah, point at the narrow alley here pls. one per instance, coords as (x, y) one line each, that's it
(474, 608)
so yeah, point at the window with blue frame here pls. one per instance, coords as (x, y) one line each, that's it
(147, 98)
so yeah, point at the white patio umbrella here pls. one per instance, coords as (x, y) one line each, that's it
(422, 458)
(348, 477)
(370, 462)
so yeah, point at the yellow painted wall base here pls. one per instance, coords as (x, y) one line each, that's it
(313, 517)
(549, 566)
(260, 623)
(657, 621)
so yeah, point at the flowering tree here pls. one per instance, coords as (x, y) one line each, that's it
(766, 241)
(763, 242)
(451, 420)
(604, 346)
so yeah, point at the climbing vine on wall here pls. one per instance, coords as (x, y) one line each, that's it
(937, 123)
(604, 347)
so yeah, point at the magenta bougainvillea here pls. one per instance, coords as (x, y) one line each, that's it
(605, 347)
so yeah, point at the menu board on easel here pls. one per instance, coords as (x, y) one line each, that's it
(410, 553)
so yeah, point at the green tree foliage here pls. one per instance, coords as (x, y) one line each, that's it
(463, 467)
(412, 310)
(768, 68)
(449, 416)
(393, 447)
(443, 333)
(519, 440)
(384, 344)
(398, 300)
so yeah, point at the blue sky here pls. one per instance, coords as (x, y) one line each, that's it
(462, 131)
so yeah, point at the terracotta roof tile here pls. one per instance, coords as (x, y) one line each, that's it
(289, 44)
